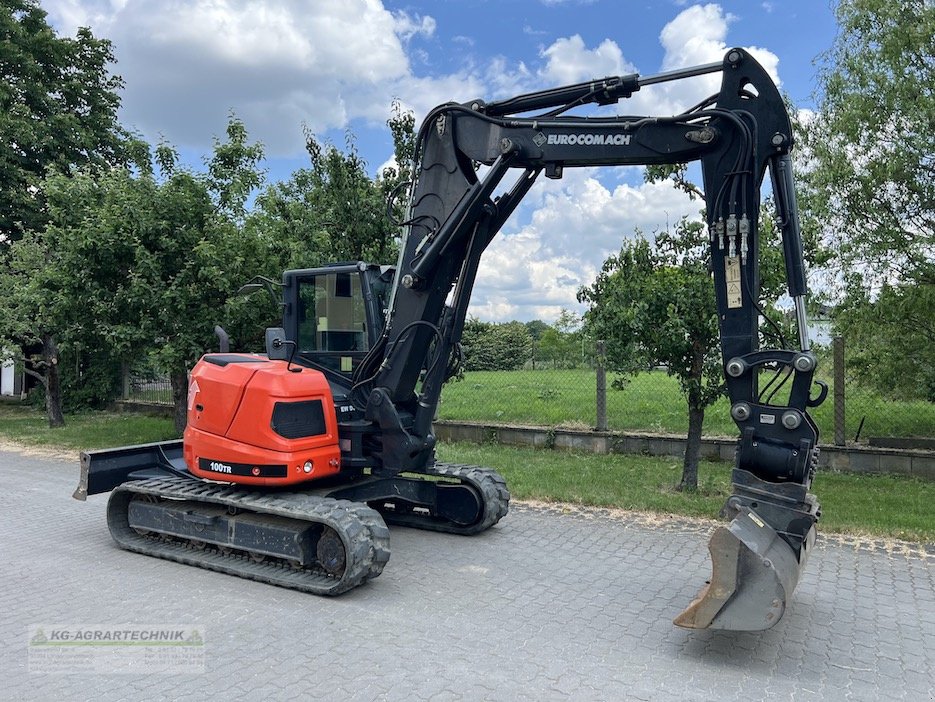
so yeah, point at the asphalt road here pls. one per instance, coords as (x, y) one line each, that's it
(550, 604)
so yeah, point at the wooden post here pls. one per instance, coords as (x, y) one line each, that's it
(601, 387)
(839, 437)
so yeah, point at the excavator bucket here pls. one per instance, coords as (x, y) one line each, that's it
(754, 575)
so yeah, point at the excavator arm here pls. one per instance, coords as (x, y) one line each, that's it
(465, 152)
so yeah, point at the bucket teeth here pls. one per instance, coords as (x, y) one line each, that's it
(754, 573)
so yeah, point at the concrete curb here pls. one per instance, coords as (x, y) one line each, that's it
(856, 459)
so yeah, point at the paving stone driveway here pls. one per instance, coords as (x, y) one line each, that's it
(547, 605)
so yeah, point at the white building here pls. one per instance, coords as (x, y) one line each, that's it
(11, 382)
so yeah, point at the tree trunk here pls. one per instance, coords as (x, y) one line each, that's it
(180, 400)
(52, 382)
(693, 445)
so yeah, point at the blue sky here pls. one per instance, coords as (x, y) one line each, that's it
(336, 65)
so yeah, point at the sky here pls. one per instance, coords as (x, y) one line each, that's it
(336, 65)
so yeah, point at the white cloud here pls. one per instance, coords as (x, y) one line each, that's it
(187, 63)
(280, 64)
(568, 60)
(579, 221)
(696, 36)
(71, 14)
(408, 26)
(536, 271)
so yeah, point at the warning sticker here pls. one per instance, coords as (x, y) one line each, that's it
(193, 391)
(732, 273)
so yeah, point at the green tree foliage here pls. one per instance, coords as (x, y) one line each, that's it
(872, 142)
(58, 110)
(563, 344)
(199, 256)
(137, 261)
(537, 328)
(91, 377)
(34, 308)
(348, 203)
(490, 346)
(132, 264)
(402, 125)
(655, 305)
(333, 210)
(900, 365)
(870, 181)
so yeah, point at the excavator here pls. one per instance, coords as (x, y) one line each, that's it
(294, 462)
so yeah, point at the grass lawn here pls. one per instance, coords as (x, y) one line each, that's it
(82, 432)
(650, 402)
(880, 505)
(891, 506)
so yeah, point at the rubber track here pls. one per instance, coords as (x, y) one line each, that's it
(362, 530)
(488, 483)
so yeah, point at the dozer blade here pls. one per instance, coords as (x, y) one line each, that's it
(754, 573)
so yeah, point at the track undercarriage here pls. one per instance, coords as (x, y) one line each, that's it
(325, 540)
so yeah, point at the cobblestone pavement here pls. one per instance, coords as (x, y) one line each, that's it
(547, 605)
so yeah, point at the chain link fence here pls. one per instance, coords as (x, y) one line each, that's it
(861, 414)
(566, 394)
(542, 395)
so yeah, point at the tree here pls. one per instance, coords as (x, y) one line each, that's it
(58, 110)
(33, 310)
(870, 178)
(133, 265)
(333, 210)
(899, 365)
(190, 264)
(57, 293)
(537, 328)
(402, 126)
(656, 306)
(489, 346)
(871, 144)
(561, 343)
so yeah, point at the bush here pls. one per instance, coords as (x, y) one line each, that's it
(496, 346)
(89, 380)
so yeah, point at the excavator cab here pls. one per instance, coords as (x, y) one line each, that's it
(335, 314)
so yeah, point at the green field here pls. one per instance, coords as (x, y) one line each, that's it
(891, 506)
(881, 505)
(650, 402)
(84, 431)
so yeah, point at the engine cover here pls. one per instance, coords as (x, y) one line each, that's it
(257, 422)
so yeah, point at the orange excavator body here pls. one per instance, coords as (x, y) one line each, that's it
(254, 421)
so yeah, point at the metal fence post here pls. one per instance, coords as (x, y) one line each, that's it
(839, 436)
(125, 372)
(601, 388)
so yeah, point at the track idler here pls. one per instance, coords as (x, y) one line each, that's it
(754, 573)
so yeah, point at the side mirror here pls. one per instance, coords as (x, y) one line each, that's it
(277, 348)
